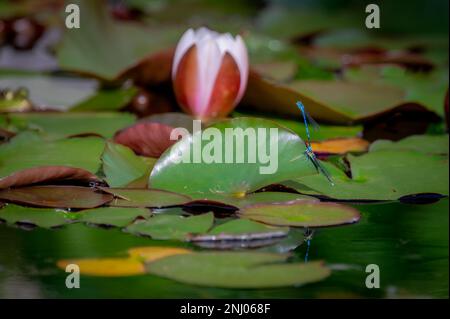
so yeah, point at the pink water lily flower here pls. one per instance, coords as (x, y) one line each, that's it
(209, 72)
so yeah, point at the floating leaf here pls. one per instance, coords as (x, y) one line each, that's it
(46, 174)
(237, 270)
(340, 146)
(109, 49)
(339, 102)
(172, 226)
(428, 144)
(57, 125)
(106, 267)
(121, 166)
(152, 253)
(145, 138)
(112, 216)
(50, 91)
(381, 175)
(426, 89)
(301, 214)
(131, 197)
(253, 198)
(26, 151)
(56, 196)
(42, 217)
(234, 179)
(106, 100)
(241, 230)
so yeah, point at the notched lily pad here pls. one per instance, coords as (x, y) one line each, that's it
(56, 196)
(237, 177)
(121, 166)
(246, 270)
(135, 197)
(172, 226)
(301, 214)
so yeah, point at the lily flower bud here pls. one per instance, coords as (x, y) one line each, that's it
(209, 72)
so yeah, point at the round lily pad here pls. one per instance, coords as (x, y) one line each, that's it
(301, 214)
(248, 270)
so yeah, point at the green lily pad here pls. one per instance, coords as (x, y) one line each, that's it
(340, 102)
(112, 216)
(27, 150)
(428, 144)
(133, 197)
(106, 100)
(41, 217)
(121, 166)
(427, 89)
(56, 196)
(46, 91)
(107, 48)
(301, 214)
(233, 179)
(249, 199)
(381, 175)
(172, 226)
(57, 125)
(249, 270)
(324, 133)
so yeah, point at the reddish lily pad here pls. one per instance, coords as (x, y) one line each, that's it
(301, 214)
(46, 174)
(146, 138)
(56, 196)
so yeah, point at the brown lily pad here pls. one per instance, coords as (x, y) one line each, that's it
(46, 174)
(56, 196)
(147, 139)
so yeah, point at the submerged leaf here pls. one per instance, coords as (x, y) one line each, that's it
(152, 253)
(340, 146)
